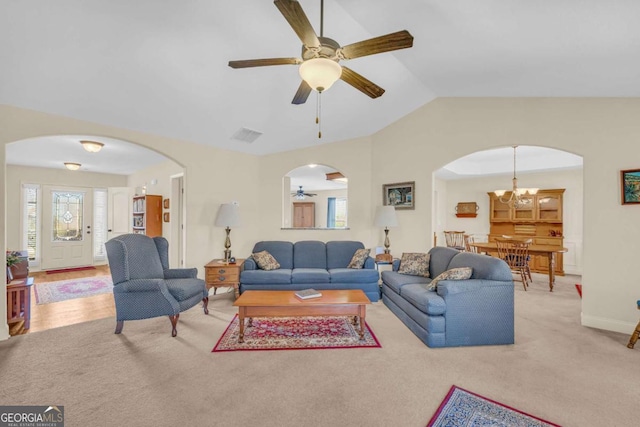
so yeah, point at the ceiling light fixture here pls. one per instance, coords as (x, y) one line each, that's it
(92, 146)
(72, 166)
(516, 198)
(320, 73)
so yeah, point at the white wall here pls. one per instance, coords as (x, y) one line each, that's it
(476, 189)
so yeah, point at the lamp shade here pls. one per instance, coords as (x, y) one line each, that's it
(228, 216)
(320, 73)
(386, 217)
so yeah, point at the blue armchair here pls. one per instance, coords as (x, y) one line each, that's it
(145, 286)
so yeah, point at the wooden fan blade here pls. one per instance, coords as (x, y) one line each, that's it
(295, 16)
(302, 94)
(264, 62)
(394, 41)
(362, 84)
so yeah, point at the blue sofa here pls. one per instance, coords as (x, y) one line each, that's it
(311, 264)
(476, 311)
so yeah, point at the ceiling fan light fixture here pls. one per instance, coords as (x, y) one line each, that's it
(320, 73)
(72, 166)
(92, 146)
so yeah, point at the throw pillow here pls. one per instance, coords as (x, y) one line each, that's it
(460, 273)
(265, 261)
(358, 259)
(415, 264)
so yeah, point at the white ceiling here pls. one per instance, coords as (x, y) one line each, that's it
(161, 67)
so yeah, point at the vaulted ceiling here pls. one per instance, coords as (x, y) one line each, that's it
(161, 67)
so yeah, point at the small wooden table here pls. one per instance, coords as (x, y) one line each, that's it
(219, 273)
(546, 250)
(19, 301)
(352, 302)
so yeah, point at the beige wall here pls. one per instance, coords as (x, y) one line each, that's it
(604, 131)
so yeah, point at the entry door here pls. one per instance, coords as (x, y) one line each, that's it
(119, 211)
(67, 213)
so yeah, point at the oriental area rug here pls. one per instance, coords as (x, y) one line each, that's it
(295, 333)
(464, 408)
(63, 290)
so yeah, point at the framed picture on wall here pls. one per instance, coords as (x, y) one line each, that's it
(630, 183)
(401, 195)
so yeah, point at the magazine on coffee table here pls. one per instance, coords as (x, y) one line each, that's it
(308, 293)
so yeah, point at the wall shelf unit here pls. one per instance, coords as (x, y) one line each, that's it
(147, 215)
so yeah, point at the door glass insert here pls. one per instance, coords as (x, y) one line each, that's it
(67, 216)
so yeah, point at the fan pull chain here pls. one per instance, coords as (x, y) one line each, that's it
(318, 113)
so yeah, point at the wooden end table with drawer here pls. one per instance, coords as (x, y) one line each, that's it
(220, 273)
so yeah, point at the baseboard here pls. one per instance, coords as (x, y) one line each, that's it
(607, 324)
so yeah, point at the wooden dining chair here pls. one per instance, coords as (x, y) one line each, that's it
(454, 239)
(636, 333)
(515, 252)
(468, 241)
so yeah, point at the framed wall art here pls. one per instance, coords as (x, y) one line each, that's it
(165, 203)
(401, 195)
(630, 183)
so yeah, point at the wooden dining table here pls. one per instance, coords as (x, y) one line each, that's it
(545, 250)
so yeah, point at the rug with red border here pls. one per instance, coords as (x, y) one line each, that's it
(464, 408)
(295, 333)
(63, 290)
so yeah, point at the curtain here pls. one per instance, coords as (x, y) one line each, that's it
(331, 212)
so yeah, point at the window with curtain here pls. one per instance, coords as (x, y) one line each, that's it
(30, 220)
(99, 223)
(336, 212)
(331, 212)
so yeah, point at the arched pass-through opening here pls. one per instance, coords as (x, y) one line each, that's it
(472, 179)
(314, 197)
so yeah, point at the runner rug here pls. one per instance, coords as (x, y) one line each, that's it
(295, 333)
(464, 408)
(73, 288)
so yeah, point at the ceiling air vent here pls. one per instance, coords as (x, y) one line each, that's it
(246, 135)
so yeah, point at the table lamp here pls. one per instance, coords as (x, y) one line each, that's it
(386, 217)
(227, 217)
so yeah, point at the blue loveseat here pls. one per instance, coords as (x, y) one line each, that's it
(311, 264)
(475, 311)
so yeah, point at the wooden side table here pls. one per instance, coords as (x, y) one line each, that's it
(19, 301)
(219, 273)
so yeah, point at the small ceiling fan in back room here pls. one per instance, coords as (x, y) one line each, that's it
(301, 194)
(319, 67)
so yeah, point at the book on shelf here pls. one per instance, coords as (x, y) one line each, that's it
(308, 293)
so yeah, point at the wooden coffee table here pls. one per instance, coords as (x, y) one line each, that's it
(352, 302)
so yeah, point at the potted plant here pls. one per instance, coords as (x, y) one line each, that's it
(13, 258)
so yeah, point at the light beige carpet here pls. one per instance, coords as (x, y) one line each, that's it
(558, 370)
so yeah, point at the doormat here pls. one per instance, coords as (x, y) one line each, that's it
(66, 270)
(295, 333)
(70, 289)
(464, 408)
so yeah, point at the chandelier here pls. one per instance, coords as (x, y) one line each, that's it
(516, 198)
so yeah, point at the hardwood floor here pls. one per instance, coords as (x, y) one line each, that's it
(63, 313)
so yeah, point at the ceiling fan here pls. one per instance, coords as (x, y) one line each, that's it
(319, 66)
(301, 194)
